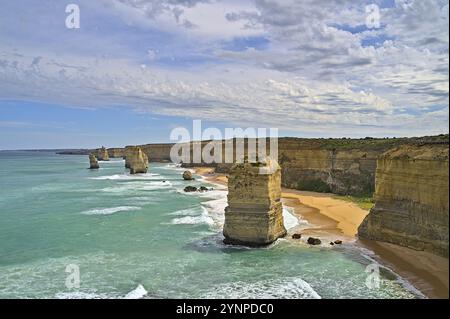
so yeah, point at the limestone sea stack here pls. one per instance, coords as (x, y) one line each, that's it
(103, 154)
(137, 160)
(411, 199)
(254, 213)
(93, 163)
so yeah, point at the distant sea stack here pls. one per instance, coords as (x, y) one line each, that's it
(411, 199)
(136, 159)
(93, 163)
(103, 154)
(254, 213)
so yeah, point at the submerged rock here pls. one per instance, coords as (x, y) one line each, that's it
(254, 213)
(314, 241)
(187, 176)
(338, 242)
(190, 189)
(102, 154)
(296, 236)
(93, 163)
(203, 189)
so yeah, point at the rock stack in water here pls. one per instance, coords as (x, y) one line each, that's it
(103, 154)
(137, 160)
(254, 214)
(93, 163)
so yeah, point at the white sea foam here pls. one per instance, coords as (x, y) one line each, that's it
(81, 295)
(147, 176)
(137, 293)
(290, 220)
(203, 218)
(287, 288)
(110, 210)
(137, 186)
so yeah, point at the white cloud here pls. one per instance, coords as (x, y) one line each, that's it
(313, 76)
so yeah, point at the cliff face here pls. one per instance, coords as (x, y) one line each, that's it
(102, 154)
(157, 152)
(116, 152)
(136, 160)
(254, 212)
(411, 199)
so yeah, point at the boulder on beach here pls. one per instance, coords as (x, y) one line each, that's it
(314, 241)
(187, 176)
(190, 189)
(338, 241)
(296, 236)
(93, 163)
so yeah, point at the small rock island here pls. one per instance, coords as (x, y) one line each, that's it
(93, 163)
(136, 160)
(254, 216)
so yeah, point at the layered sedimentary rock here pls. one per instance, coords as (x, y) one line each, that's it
(254, 213)
(136, 159)
(102, 154)
(411, 199)
(93, 163)
(116, 152)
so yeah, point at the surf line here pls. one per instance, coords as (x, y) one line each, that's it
(186, 309)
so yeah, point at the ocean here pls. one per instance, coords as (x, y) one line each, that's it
(141, 236)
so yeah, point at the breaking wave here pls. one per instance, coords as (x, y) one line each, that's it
(109, 211)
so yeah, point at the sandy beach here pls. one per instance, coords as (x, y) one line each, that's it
(330, 218)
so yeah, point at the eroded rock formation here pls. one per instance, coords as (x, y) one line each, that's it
(411, 199)
(187, 176)
(102, 154)
(136, 160)
(93, 163)
(254, 213)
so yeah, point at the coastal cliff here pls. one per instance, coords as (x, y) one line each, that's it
(254, 213)
(102, 154)
(411, 199)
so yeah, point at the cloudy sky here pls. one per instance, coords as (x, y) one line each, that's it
(135, 69)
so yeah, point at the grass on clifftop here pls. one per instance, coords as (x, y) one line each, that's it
(365, 203)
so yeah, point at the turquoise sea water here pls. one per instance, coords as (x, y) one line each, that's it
(142, 236)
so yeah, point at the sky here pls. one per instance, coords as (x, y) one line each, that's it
(136, 69)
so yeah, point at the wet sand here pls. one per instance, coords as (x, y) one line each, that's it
(330, 218)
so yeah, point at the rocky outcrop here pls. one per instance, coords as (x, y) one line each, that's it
(411, 199)
(116, 152)
(254, 213)
(93, 163)
(187, 176)
(102, 154)
(136, 160)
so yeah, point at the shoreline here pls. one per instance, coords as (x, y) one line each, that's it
(330, 218)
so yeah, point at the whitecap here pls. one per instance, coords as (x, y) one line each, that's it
(287, 288)
(203, 218)
(136, 293)
(110, 210)
(146, 176)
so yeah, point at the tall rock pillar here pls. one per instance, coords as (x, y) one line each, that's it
(137, 160)
(254, 215)
(93, 163)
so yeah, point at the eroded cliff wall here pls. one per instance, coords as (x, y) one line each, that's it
(411, 199)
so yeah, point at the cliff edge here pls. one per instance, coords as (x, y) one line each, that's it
(411, 199)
